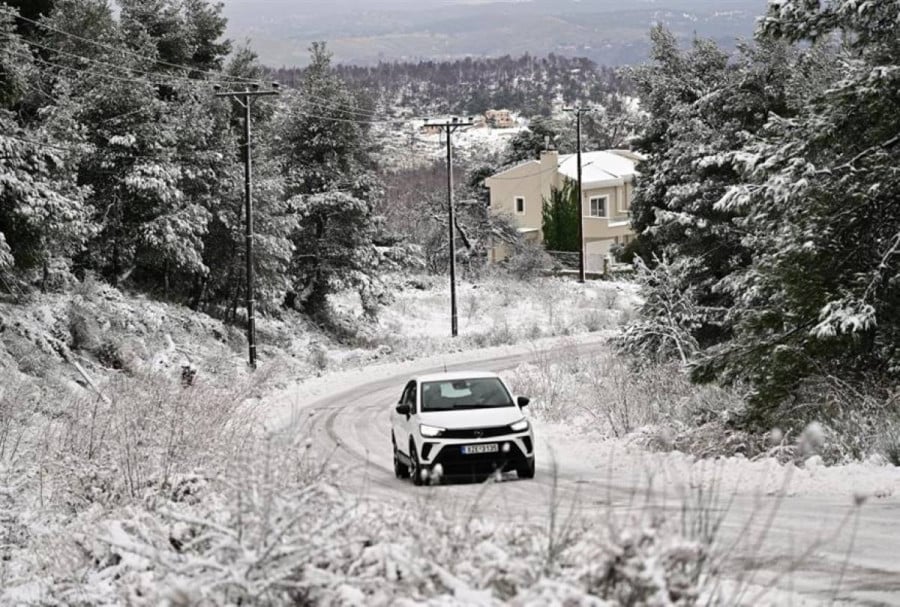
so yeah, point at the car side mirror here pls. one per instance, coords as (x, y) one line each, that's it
(523, 401)
(403, 409)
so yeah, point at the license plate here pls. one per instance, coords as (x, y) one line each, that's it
(473, 449)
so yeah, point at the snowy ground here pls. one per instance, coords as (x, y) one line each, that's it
(409, 147)
(234, 490)
(492, 312)
(766, 541)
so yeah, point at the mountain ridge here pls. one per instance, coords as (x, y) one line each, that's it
(399, 30)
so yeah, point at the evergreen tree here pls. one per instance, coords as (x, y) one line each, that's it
(702, 108)
(822, 209)
(330, 184)
(43, 216)
(560, 218)
(541, 132)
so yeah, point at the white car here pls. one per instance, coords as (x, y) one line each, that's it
(460, 424)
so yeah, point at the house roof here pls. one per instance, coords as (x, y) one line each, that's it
(517, 167)
(599, 169)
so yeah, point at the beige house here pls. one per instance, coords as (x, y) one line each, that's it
(607, 186)
(500, 119)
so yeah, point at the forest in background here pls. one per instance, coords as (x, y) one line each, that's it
(528, 85)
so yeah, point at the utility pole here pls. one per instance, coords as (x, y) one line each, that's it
(578, 111)
(244, 99)
(450, 126)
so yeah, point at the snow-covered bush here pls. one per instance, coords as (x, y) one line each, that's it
(156, 493)
(276, 531)
(528, 261)
(656, 406)
(669, 315)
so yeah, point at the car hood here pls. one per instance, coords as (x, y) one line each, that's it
(472, 418)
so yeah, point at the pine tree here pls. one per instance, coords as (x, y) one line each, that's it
(329, 182)
(822, 208)
(703, 108)
(44, 219)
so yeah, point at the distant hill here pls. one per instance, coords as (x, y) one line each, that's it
(525, 84)
(364, 32)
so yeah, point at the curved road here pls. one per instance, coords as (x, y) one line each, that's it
(825, 549)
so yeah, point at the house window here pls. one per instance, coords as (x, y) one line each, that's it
(520, 205)
(598, 206)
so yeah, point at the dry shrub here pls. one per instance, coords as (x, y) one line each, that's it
(274, 530)
(890, 444)
(656, 403)
(529, 261)
(498, 334)
(132, 439)
(595, 320)
(84, 330)
(547, 383)
(838, 421)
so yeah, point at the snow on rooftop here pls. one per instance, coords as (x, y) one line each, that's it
(598, 167)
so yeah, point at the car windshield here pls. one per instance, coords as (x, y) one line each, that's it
(480, 393)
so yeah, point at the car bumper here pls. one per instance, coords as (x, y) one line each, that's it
(514, 451)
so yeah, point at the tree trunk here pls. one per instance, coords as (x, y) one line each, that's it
(166, 280)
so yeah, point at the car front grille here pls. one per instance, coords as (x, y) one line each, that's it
(455, 463)
(475, 433)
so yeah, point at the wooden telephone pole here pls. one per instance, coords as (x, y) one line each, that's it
(244, 99)
(450, 126)
(578, 111)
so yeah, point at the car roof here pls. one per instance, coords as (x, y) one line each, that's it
(456, 375)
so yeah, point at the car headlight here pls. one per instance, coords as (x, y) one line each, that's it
(430, 431)
(519, 426)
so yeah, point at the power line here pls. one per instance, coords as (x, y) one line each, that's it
(39, 143)
(163, 78)
(168, 77)
(221, 78)
(232, 80)
(78, 70)
(344, 120)
(74, 150)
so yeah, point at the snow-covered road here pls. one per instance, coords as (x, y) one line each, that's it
(821, 547)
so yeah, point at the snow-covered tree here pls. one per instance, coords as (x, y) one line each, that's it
(703, 108)
(331, 187)
(822, 214)
(44, 219)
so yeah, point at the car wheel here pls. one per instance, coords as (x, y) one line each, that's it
(415, 468)
(401, 470)
(526, 470)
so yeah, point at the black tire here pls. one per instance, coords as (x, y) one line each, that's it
(526, 470)
(401, 470)
(415, 468)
